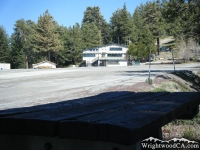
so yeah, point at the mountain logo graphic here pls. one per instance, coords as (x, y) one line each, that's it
(152, 139)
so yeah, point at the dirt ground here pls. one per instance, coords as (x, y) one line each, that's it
(23, 88)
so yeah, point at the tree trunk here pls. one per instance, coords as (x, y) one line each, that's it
(158, 46)
(44, 55)
(26, 61)
(56, 60)
(73, 61)
(49, 56)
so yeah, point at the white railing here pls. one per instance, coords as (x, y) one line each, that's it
(95, 59)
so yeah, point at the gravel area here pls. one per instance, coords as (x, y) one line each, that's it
(23, 88)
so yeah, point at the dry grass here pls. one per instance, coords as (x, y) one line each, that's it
(165, 55)
(173, 130)
(171, 87)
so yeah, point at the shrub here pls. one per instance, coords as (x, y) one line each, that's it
(189, 133)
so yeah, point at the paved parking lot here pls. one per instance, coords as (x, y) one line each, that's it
(21, 88)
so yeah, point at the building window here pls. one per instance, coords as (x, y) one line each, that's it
(115, 49)
(114, 55)
(88, 55)
(103, 54)
(113, 62)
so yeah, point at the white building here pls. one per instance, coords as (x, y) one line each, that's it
(4, 66)
(44, 65)
(108, 55)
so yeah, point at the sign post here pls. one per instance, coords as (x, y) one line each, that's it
(149, 79)
(173, 58)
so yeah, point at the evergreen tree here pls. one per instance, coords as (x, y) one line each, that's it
(139, 24)
(172, 14)
(122, 26)
(46, 37)
(33, 57)
(143, 50)
(93, 15)
(91, 36)
(144, 40)
(4, 46)
(61, 57)
(153, 18)
(138, 51)
(190, 19)
(106, 33)
(17, 57)
(132, 50)
(115, 26)
(23, 33)
(148, 40)
(184, 16)
(75, 44)
(126, 25)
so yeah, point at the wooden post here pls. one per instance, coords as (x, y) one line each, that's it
(158, 46)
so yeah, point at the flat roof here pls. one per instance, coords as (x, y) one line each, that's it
(113, 44)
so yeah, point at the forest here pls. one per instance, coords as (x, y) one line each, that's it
(33, 42)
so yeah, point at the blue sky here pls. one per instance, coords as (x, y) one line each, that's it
(65, 12)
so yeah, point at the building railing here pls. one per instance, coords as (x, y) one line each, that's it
(95, 59)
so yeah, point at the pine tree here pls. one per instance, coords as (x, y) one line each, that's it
(190, 19)
(144, 38)
(106, 33)
(93, 15)
(133, 35)
(141, 48)
(115, 26)
(183, 18)
(91, 36)
(75, 44)
(17, 57)
(23, 33)
(62, 57)
(126, 25)
(148, 39)
(33, 57)
(139, 24)
(122, 26)
(153, 18)
(46, 37)
(132, 50)
(173, 15)
(4, 46)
